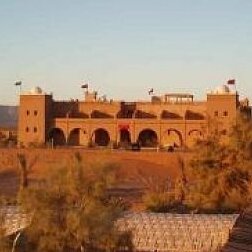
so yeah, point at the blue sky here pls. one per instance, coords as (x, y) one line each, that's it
(124, 47)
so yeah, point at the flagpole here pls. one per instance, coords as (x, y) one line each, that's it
(232, 82)
(19, 84)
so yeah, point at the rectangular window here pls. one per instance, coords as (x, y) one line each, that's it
(224, 132)
(225, 113)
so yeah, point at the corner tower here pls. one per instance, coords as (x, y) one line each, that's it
(222, 105)
(34, 117)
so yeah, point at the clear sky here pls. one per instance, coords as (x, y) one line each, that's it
(124, 47)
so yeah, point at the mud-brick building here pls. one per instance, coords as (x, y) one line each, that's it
(8, 134)
(170, 119)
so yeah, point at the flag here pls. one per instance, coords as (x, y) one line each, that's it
(18, 83)
(123, 126)
(151, 91)
(231, 82)
(84, 86)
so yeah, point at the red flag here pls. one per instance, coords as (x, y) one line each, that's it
(123, 126)
(231, 82)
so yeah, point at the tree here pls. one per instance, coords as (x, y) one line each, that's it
(222, 170)
(241, 140)
(158, 194)
(24, 169)
(72, 210)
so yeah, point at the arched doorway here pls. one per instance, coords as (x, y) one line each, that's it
(101, 137)
(74, 137)
(56, 137)
(172, 137)
(193, 136)
(125, 138)
(148, 138)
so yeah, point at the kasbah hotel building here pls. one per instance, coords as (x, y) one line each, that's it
(172, 119)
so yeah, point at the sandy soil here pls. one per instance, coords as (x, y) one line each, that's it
(149, 163)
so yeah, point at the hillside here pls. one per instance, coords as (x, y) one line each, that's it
(8, 116)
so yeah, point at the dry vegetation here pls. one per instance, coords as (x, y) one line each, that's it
(216, 179)
(77, 196)
(40, 160)
(222, 171)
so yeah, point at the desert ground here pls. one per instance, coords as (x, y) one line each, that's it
(130, 164)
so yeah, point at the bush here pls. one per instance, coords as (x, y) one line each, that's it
(222, 171)
(160, 202)
(72, 210)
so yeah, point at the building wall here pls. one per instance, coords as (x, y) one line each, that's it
(222, 109)
(176, 108)
(8, 133)
(77, 122)
(34, 112)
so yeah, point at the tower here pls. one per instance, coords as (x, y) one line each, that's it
(34, 117)
(222, 105)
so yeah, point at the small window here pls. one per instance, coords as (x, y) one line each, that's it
(225, 113)
(28, 112)
(224, 132)
(35, 112)
(216, 113)
(27, 129)
(35, 129)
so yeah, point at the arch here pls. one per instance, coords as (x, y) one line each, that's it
(144, 115)
(57, 137)
(74, 137)
(192, 115)
(125, 138)
(101, 137)
(195, 132)
(148, 138)
(170, 115)
(193, 136)
(100, 114)
(172, 137)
